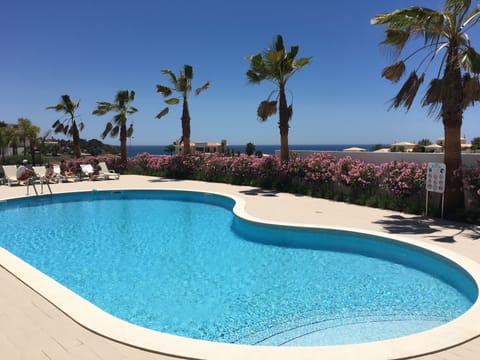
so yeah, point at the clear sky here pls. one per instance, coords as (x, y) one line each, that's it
(90, 49)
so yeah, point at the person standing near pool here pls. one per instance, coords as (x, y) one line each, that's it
(24, 172)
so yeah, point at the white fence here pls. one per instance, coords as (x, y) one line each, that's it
(468, 159)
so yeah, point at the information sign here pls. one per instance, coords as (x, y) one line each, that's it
(436, 177)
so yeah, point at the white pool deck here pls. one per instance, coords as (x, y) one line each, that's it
(41, 320)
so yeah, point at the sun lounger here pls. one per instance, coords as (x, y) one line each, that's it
(106, 172)
(63, 178)
(10, 175)
(40, 172)
(87, 169)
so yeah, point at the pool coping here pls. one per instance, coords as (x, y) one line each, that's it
(88, 315)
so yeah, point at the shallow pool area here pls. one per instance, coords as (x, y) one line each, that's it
(184, 264)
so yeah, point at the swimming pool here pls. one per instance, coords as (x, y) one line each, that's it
(276, 252)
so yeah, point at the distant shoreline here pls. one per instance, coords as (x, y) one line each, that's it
(133, 150)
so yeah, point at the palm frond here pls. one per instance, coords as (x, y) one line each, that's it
(278, 44)
(253, 77)
(472, 18)
(171, 76)
(108, 128)
(59, 128)
(114, 132)
(65, 129)
(434, 93)
(131, 110)
(275, 56)
(394, 72)
(471, 90)
(56, 123)
(103, 107)
(290, 112)
(471, 61)
(162, 113)
(172, 101)
(164, 90)
(81, 126)
(130, 131)
(266, 109)
(409, 90)
(299, 63)
(188, 71)
(204, 87)
(58, 107)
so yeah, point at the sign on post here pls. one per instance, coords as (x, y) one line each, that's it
(436, 177)
(435, 181)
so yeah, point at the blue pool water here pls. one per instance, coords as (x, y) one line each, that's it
(183, 264)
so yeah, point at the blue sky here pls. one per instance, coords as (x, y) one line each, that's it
(90, 49)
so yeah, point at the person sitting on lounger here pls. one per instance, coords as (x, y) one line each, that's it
(49, 172)
(96, 169)
(24, 172)
(64, 169)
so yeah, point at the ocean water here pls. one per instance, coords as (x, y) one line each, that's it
(134, 150)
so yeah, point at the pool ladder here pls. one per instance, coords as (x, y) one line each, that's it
(32, 183)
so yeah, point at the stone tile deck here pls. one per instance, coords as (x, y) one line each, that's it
(33, 328)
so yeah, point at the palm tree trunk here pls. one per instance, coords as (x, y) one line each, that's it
(186, 127)
(32, 150)
(123, 144)
(283, 125)
(454, 197)
(76, 141)
(452, 114)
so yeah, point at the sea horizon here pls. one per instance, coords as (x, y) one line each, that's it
(133, 150)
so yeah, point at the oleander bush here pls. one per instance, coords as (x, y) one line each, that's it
(471, 186)
(395, 185)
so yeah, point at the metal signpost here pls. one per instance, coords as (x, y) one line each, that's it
(435, 181)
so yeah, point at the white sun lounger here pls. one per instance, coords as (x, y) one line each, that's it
(106, 172)
(10, 174)
(62, 178)
(87, 169)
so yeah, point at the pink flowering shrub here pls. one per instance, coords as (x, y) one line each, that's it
(471, 184)
(402, 178)
(393, 185)
(357, 174)
(240, 169)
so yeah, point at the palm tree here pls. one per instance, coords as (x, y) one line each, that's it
(12, 137)
(122, 108)
(278, 66)
(68, 125)
(29, 132)
(183, 86)
(23, 126)
(453, 88)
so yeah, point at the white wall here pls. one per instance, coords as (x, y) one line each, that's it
(468, 159)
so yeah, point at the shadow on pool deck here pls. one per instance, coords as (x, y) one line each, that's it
(259, 191)
(399, 224)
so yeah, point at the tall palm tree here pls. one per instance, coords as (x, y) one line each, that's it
(24, 130)
(68, 124)
(12, 137)
(29, 132)
(182, 84)
(121, 106)
(453, 88)
(277, 65)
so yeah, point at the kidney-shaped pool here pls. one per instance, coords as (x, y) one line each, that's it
(182, 263)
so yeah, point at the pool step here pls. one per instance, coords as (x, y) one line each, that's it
(337, 331)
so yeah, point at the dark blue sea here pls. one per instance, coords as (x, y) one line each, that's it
(134, 150)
